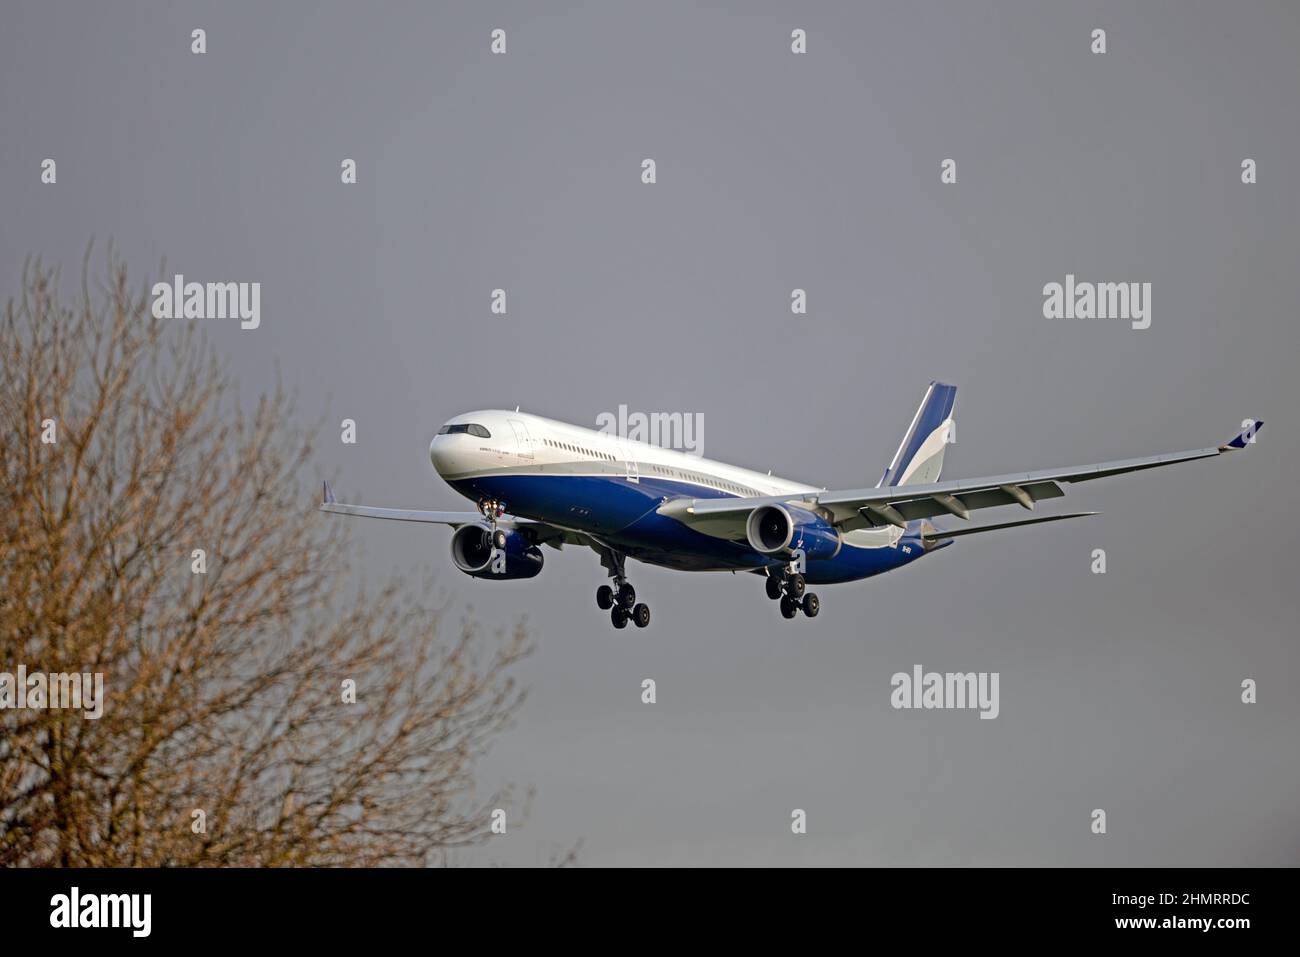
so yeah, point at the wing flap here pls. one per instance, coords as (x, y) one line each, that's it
(961, 504)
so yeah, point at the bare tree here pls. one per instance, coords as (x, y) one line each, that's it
(227, 736)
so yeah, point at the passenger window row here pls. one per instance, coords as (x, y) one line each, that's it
(579, 450)
(708, 480)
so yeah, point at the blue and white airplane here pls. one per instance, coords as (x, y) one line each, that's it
(541, 482)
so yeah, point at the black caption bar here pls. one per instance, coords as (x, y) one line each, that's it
(177, 907)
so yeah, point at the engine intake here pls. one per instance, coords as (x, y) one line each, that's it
(472, 553)
(783, 529)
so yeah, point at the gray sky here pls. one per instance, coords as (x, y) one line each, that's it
(775, 171)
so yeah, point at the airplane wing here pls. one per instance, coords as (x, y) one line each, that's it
(538, 533)
(899, 504)
(454, 519)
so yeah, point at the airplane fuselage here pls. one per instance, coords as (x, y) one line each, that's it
(612, 488)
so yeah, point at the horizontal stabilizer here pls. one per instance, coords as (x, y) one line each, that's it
(941, 536)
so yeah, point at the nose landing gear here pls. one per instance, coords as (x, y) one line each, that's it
(492, 510)
(789, 587)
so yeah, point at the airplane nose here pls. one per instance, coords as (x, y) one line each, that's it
(456, 449)
(439, 454)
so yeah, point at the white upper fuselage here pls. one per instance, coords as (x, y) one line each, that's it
(518, 441)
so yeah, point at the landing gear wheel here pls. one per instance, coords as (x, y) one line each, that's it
(811, 605)
(626, 595)
(604, 598)
(774, 588)
(641, 615)
(498, 539)
(618, 617)
(794, 586)
(789, 608)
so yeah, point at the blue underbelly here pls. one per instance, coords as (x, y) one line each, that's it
(623, 514)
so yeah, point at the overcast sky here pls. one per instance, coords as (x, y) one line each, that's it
(775, 171)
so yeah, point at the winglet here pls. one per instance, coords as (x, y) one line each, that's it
(1247, 437)
(329, 494)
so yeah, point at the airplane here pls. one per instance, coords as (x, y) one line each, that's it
(537, 481)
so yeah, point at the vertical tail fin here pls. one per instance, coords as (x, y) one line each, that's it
(919, 458)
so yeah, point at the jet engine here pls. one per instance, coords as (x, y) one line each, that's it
(780, 530)
(473, 552)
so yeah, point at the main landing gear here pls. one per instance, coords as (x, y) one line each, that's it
(620, 599)
(789, 588)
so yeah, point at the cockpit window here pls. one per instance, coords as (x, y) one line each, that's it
(472, 428)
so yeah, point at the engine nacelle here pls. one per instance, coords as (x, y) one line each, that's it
(782, 529)
(472, 553)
